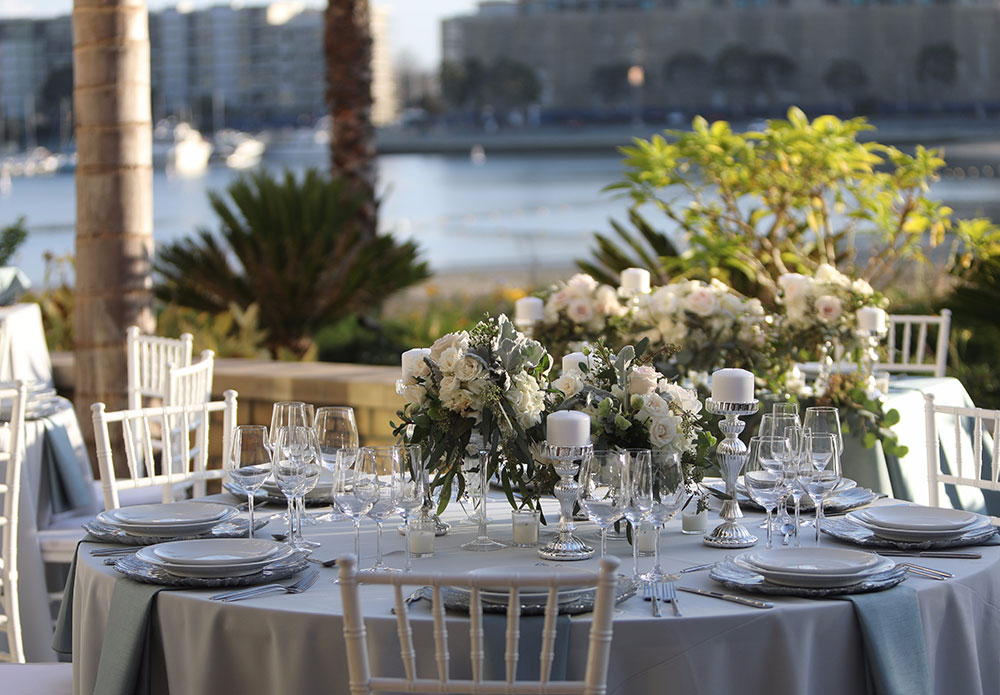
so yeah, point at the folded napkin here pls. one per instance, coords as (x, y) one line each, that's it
(67, 487)
(893, 639)
(529, 647)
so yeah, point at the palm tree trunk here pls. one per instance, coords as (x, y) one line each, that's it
(114, 199)
(348, 46)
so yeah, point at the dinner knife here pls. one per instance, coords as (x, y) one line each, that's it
(931, 553)
(728, 597)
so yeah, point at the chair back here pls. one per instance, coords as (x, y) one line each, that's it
(362, 682)
(6, 368)
(968, 466)
(909, 352)
(148, 357)
(188, 450)
(191, 385)
(11, 456)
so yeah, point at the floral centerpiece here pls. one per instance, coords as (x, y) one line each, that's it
(632, 405)
(713, 325)
(581, 310)
(487, 380)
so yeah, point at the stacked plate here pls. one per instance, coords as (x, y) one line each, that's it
(214, 557)
(814, 567)
(319, 494)
(915, 523)
(168, 520)
(529, 595)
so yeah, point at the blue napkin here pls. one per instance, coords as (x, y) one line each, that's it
(893, 639)
(529, 647)
(67, 487)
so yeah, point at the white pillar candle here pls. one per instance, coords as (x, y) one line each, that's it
(567, 428)
(411, 358)
(871, 319)
(529, 310)
(573, 361)
(732, 386)
(635, 280)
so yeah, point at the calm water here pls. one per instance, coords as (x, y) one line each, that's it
(528, 211)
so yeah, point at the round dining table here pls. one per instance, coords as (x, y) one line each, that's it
(293, 643)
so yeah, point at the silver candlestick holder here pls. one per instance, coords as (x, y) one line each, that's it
(731, 455)
(566, 462)
(869, 360)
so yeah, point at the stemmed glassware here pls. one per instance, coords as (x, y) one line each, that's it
(820, 472)
(603, 479)
(412, 492)
(825, 420)
(669, 495)
(790, 471)
(336, 432)
(355, 490)
(638, 496)
(386, 463)
(292, 413)
(786, 408)
(249, 462)
(762, 481)
(296, 470)
(483, 543)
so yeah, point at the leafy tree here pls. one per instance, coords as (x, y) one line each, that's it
(751, 206)
(11, 238)
(296, 249)
(847, 79)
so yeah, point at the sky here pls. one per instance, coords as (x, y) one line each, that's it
(414, 25)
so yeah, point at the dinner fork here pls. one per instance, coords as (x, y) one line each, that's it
(305, 581)
(649, 592)
(668, 592)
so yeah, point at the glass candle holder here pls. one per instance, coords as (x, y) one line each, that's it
(421, 537)
(524, 524)
(646, 539)
(694, 522)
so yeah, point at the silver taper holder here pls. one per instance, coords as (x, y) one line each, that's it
(566, 461)
(869, 360)
(731, 455)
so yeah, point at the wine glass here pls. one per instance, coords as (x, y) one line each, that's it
(336, 431)
(820, 470)
(773, 424)
(249, 462)
(762, 482)
(785, 408)
(296, 469)
(293, 413)
(638, 496)
(412, 492)
(355, 490)
(603, 480)
(825, 420)
(669, 495)
(386, 463)
(789, 467)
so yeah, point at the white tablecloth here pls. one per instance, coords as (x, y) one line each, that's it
(293, 643)
(29, 354)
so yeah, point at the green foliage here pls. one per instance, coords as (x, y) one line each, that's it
(11, 237)
(231, 333)
(751, 206)
(294, 247)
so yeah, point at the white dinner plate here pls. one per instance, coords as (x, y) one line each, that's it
(811, 579)
(909, 535)
(530, 572)
(175, 528)
(171, 513)
(915, 517)
(223, 569)
(217, 551)
(323, 486)
(813, 560)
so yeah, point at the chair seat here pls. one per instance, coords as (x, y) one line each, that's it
(36, 679)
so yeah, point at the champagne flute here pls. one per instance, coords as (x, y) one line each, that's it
(249, 463)
(336, 431)
(412, 492)
(823, 470)
(355, 489)
(669, 495)
(762, 482)
(296, 469)
(386, 464)
(603, 481)
(638, 496)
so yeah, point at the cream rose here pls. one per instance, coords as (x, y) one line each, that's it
(580, 310)
(828, 308)
(570, 382)
(450, 359)
(458, 341)
(469, 368)
(643, 380)
(663, 431)
(413, 393)
(581, 285)
(701, 301)
(794, 285)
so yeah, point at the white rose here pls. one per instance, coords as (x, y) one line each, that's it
(450, 359)
(450, 384)
(527, 398)
(754, 307)
(672, 332)
(663, 431)
(731, 303)
(581, 285)
(664, 300)
(687, 399)
(420, 370)
(828, 308)
(557, 301)
(458, 341)
(643, 380)
(701, 301)
(413, 393)
(606, 302)
(653, 406)
(580, 310)
(795, 285)
(462, 402)
(469, 368)
(862, 287)
(570, 382)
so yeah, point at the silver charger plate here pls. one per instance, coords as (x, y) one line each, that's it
(845, 530)
(234, 528)
(458, 600)
(732, 576)
(262, 496)
(843, 501)
(148, 573)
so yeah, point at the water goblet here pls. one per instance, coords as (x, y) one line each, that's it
(295, 469)
(355, 490)
(249, 462)
(336, 430)
(386, 462)
(669, 495)
(762, 482)
(822, 470)
(638, 496)
(785, 408)
(603, 478)
(825, 420)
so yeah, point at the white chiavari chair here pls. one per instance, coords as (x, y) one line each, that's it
(11, 457)
(908, 339)
(363, 682)
(191, 386)
(148, 357)
(965, 464)
(5, 357)
(145, 467)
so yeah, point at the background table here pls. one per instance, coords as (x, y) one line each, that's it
(29, 353)
(293, 643)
